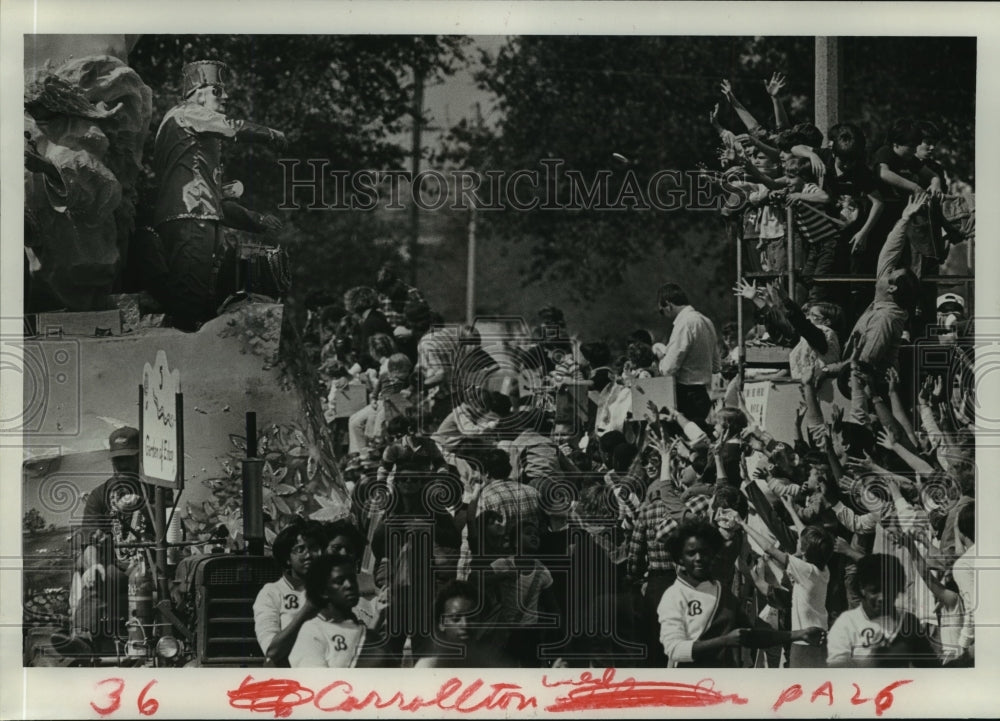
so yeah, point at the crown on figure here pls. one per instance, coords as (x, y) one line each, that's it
(204, 73)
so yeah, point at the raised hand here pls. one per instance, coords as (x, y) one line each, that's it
(659, 445)
(818, 167)
(278, 138)
(269, 222)
(776, 293)
(927, 390)
(887, 440)
(745, 290)
(903, 539)
(938, 394)
(859, 241)
(861, 464)
(775, 84)
(841, 546)
(819, 433)
(892, 378)
(727, 90)
(915, 203)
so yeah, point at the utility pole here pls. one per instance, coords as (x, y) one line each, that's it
(416, 152)
(827, 87)
(470, 276)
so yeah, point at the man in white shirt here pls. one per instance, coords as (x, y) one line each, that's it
(691, 355)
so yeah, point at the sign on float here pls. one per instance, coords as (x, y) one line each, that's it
(160, 447)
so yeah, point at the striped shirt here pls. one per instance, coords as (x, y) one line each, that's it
(437, 351)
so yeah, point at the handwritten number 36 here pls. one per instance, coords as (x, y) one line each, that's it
(147, 707)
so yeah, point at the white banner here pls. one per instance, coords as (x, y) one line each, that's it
(159, 420)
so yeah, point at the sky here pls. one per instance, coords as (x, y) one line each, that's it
(455, 98)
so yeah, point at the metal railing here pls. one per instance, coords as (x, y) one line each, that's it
(791, 275)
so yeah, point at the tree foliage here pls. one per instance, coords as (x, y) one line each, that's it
(583, 98)
(344, 99)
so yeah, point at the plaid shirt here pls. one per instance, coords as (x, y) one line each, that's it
(696, 506)
(645, 552)
(510, 499)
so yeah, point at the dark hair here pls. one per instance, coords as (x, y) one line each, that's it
(733, 418)
(641, 335)
(381, 345)
(929, 132)
(907, 289)
(417, 314)
(696, 527)
(344, 527)
(496, 464)
(454, 589)
(810, 133)
(598, 503)
(904, 132)
(832, 312)
(360, 298)
(788, 139)
(329, 314)
(622, 457)
(966, 521)
(611, 440)
(497, 402)
(858, 439)
(387, 277)
(551, 315)
(672, 293)
(849, 143)
(281, 547)
(319, 574)
(445, 533)
(731, 497)
(882, 571)
(597, 354)
(817, 546)
(640, 354)
(400, 425)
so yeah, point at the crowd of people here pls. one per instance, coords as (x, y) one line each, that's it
(511, 506)
(505, 518)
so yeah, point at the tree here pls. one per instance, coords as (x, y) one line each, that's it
(581, 99)
(342, 99)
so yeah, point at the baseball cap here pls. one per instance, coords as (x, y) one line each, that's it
(124, 442)
(946, 298)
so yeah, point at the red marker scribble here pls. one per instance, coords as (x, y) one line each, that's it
(603, 692)
(277, 695)
(281, 696)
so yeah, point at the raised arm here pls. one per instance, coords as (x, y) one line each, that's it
(946, 597)
(773, 88)
(773, 551)
(745, 115)
(892, 251)
(899, 409)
